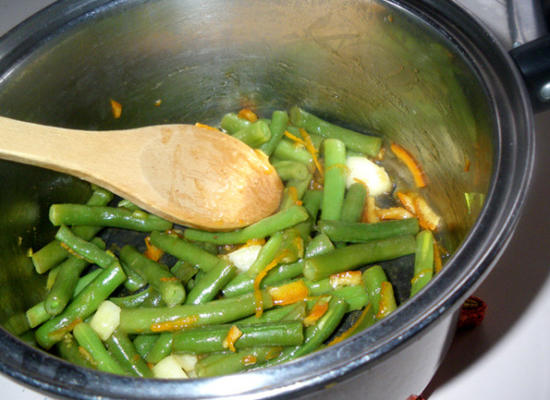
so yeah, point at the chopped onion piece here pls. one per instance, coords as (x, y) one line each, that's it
(243, 257)
(361, 169)
(186, 361)
(106, 319)
(169, 368)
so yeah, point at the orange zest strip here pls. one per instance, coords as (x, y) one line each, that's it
(293, 193)
(393, 213)
(411, 163)
(346, 334)
(370, 214)
(87, 356)
(295, 139)
(254, 242)
(116, 108)
(346, 278)
(152, 252)
(249, 360)
(258, 280)
(289, 294)
(318, 310)
(248, 114)
(386, 290)
(199, 125)
(168, 279)
(438, 263)
(72, 252)
(63, 330)
(427, 218)
(233, 335)
(273, 353)
(420, 275)
(312, 150)
(176, 325)
(407, 201)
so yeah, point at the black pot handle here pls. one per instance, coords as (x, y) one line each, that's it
(533, 60)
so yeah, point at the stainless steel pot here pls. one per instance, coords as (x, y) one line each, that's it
(421, 73)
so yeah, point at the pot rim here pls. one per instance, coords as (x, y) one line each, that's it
(512, 170)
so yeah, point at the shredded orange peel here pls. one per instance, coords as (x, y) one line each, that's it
(289, 294)
(352, 328)
(152, 252)
(346, 278)
(175, 325)
(116, 108)
(319, 309)
(417, 205)
(200, 125)
(233, 334)
(258, 280)
(248, 114)
(386, 290)
(411, 163)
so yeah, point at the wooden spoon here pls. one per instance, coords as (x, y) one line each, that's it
(190, 175)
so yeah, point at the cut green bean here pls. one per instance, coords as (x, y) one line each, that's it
(37, 315)
(369, 145)
(236, 362)
(287, 150)
(265, 227)
(357, 232)
(279, 122)
(208, 287)
(291, 170)
(335, 179)
(137, 299)
(184, 271)
(353, 256)
(88, 339)
(232, 123)
(255, 134)
(161, 348)
(162, 319)
(354, 203)
(52, 254)
(144, 344)
(211, 338)
(373, 278)
(124, 352)
(67, 278)
(315, 335)
(79, 214)
(186, 251)
(83, 248)
(292, 312)
(423, 261)
(68, 349)
(81, 307)
(169, 287)
(320, 244)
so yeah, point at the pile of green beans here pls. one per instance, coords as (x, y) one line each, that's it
(193, 302)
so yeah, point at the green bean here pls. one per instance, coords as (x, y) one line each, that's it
(67, 278)
(83, 248)
(279, 121)
(124, 352)
(169, 287)
(85, 281)
(52, 276)
(161, 348)
(144, 344)
(128, 205)
(210, 339)
(287, 150)
(88, 339)
(266, 255)
(254, 134)
(373, 278)
(356, 296)
(37, 314)
(423, 261)
(294, 191)
(266, 227)
(353, 256)
(320, 244)
(357, 232)
(369, 145)
(291, 170)
(81, 307)
(354, 203)
(134, 281)
(68, 349)
(79, 214)
(335, 179)
(211, 284)
(137, 299)
(52, 254)
(184, 271)
(147, 320)
(186, 251)
(232, 123)
(235, 362)
(312, 203)
(315, 335)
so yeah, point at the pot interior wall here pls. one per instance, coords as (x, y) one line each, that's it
(361, 64)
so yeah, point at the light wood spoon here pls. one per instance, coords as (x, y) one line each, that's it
(188, 174)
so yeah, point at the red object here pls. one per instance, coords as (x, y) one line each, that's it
(413, 397)
(472, 313)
